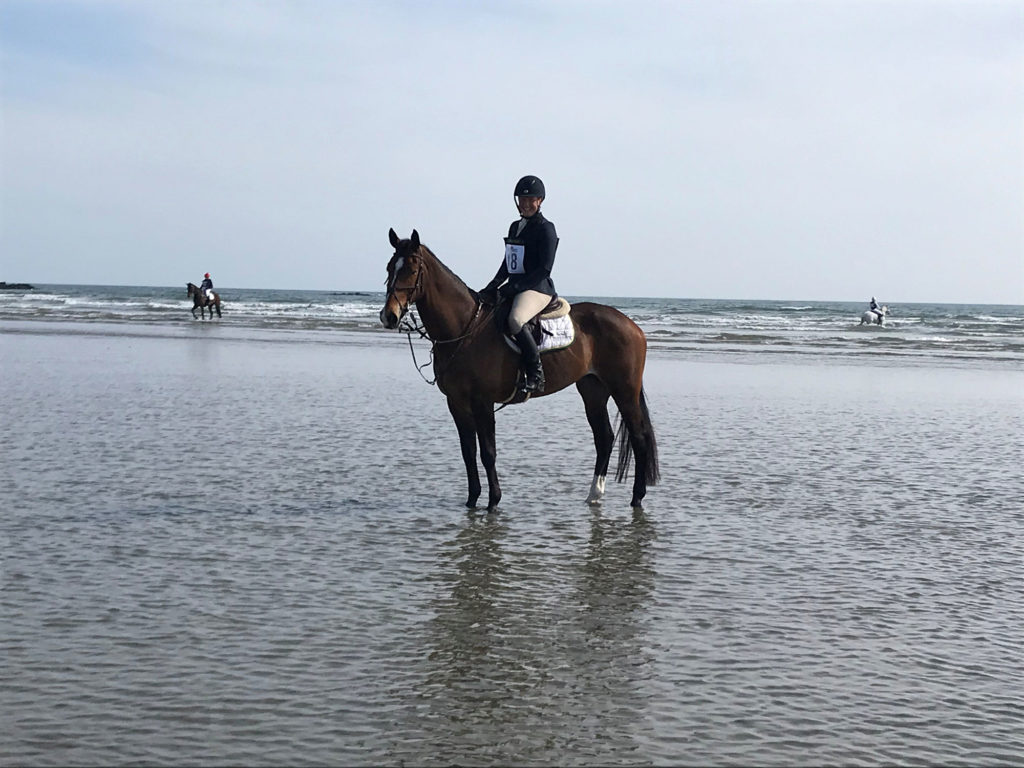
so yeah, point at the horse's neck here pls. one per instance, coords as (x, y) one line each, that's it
(446, 307)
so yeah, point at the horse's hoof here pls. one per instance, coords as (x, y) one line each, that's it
(594, 502)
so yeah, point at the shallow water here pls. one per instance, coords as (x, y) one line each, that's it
(236, 550)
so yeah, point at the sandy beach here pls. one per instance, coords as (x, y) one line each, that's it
(249, 548)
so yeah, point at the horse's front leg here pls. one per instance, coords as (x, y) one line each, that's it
(467, 439)
(483, 414)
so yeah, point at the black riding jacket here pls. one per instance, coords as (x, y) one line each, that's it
(537, 243)
(207, 283)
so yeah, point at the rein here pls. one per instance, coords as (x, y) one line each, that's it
(409, 327)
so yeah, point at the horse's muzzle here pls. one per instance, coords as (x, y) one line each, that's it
(389, 319)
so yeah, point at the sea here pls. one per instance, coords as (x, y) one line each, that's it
(243, 541)
(948, 334)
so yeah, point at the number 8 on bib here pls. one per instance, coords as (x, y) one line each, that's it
(514, 254)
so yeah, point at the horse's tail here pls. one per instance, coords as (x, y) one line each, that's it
(646, 436)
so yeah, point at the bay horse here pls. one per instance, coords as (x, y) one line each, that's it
(199, 301)
(475, 369)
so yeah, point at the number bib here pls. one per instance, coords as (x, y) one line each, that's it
(515, 253)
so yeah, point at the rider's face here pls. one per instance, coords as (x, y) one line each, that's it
(528, 205)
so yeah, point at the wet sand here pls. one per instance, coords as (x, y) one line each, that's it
(222, 547)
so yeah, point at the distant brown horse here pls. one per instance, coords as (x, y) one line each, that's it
(474, 368)
(199, 301)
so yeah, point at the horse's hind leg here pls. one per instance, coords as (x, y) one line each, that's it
(595, 399)
(639, 440)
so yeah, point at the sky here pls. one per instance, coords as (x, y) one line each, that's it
(788, 149)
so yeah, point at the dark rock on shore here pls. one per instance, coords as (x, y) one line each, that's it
(16, 286)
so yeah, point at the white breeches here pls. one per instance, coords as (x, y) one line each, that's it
(525, 306)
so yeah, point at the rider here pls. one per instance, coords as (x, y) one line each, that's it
(529, 256)
(873, 306)
(207, 286)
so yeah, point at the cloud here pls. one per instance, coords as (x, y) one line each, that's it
(786, 150)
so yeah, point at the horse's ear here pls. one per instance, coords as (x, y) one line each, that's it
(415, 239)
(393, 237)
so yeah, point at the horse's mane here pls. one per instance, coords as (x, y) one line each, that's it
(447, 269)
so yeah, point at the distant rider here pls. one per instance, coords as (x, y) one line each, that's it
(207, 286)
(529, 257)
(873, 306)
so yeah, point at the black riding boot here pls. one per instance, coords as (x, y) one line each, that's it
(530, 361)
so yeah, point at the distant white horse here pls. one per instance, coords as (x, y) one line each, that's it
(875, 316)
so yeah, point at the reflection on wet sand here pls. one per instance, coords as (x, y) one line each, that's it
(530, 638)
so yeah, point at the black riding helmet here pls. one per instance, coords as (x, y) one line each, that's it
(529, 186)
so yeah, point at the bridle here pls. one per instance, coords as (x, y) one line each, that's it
(409, 290)
(409, 324)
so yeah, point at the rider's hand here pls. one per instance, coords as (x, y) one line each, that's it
(489, 295)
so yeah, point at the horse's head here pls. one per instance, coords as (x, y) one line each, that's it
(405, 278)
(190, 288)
